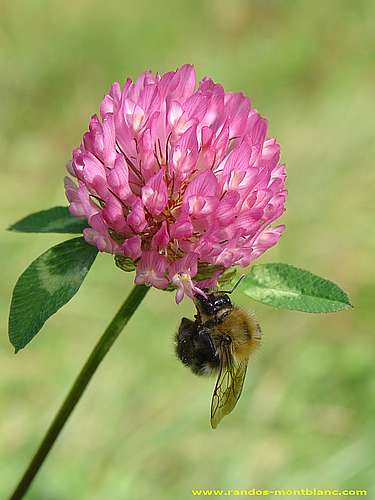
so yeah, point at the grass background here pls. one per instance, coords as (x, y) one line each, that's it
(306, 417)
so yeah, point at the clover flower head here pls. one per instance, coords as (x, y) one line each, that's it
(178, 178)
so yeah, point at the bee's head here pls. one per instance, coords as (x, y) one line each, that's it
(212, 304)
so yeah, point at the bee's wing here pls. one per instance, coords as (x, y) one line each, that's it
(228, 387)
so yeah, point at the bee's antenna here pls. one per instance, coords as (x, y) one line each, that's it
(234, 287)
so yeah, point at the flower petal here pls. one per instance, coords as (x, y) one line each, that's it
(155, 194)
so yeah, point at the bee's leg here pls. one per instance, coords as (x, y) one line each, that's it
(206, 359)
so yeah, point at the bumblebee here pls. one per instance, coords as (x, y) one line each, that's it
(219, 341)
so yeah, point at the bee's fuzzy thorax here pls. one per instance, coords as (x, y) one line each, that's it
(244, 331)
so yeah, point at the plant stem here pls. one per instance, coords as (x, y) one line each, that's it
(113, 330)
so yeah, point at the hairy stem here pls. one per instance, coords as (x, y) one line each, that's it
(113, 330)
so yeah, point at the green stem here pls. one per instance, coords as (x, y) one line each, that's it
(113, 330)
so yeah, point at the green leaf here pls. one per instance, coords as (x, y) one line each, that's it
(287, 287)
(46, 285)
(53, 220)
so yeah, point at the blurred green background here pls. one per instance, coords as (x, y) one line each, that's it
(306, 417)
